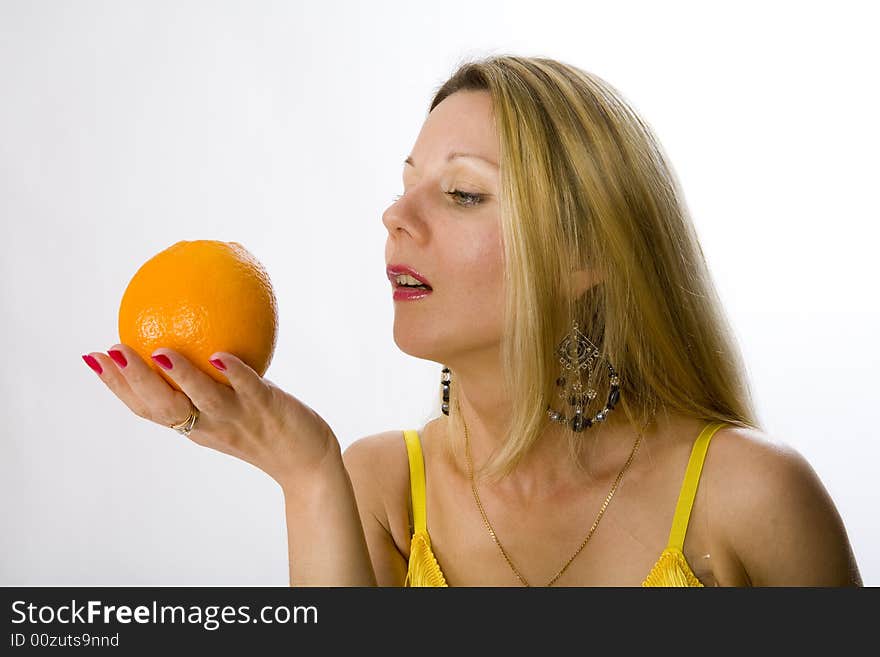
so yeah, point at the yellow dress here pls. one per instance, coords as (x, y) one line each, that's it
(671, 569)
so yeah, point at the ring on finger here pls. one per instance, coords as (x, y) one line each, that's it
(187, 425)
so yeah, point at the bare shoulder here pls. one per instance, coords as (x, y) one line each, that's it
(379, 449)
(768, 506)
(378, 467)
(749, 467)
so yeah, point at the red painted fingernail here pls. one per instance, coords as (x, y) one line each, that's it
(117, 357)
(216, 362)
(93, 363)
(163, 360)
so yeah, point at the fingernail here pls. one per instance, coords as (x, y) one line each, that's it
(216, 362)
(117, 357)
(163, 360)
(93, 363)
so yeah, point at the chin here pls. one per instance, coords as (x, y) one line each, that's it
(410, 342)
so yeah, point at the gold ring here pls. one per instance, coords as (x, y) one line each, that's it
(187, 425)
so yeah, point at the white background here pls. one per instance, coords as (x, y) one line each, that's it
(128, 126)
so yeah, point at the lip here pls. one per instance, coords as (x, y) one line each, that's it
(393, 271)
(405, 293)
(409, 294)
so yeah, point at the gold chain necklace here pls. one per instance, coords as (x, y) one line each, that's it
(492, 531)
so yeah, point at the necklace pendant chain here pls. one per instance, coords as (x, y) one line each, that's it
(492, 530)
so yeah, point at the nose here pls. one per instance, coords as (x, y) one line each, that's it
(403, 216)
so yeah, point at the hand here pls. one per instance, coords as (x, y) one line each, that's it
(251, 418)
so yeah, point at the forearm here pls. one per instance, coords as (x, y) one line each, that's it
(325, 538)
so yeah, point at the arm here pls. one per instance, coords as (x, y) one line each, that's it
(779, 519)
(252, 419)
(325, 538)
(383, 454)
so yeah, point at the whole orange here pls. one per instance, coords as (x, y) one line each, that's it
(197, 298)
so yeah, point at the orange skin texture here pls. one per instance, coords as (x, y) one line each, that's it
(200, 297)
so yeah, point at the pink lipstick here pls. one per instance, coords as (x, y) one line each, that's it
(407, 292)
(411, 294)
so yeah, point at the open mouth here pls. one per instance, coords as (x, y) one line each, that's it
(407, 282)
(406, 279)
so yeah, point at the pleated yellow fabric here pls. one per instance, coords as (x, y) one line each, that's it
(423, 569)
(671, 568)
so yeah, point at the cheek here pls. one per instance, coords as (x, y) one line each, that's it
(478, 261)
(491, 256)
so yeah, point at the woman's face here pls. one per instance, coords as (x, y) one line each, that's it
(446, 226)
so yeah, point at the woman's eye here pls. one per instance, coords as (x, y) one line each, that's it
(469, 199)
(472, 200)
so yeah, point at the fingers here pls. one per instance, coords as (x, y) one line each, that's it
(209, 396)
(242, 377)
(113, 379)
(127, 370)
(148, 394)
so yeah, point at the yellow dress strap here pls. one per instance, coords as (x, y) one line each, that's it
(689, 485)
(416, 479)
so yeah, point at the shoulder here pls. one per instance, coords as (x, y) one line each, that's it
(386, 448)
(379, 471)
(767, 505)
(373, 458)
(752, 469)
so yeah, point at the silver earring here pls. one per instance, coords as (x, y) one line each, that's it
(578, 354)
(445, 379)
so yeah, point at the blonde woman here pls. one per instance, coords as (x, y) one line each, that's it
(596, 424)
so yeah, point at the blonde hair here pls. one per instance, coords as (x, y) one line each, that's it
(585, 185)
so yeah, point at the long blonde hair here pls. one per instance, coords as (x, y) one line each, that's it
(585, 185)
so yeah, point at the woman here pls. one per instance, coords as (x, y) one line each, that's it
(588, 369)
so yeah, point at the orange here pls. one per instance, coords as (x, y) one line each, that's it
(198, 298)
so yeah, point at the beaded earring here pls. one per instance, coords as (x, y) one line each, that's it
(577, 353)
(445, 378)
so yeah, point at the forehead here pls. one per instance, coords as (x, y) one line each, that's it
(462, 123)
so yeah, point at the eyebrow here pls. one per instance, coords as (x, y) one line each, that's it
(455, 154)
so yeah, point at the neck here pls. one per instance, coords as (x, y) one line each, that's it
(485, 405)
(486, 410)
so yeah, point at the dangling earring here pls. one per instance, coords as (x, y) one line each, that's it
(576, 353)
(445, 379)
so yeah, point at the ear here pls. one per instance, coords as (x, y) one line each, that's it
(583, 280)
